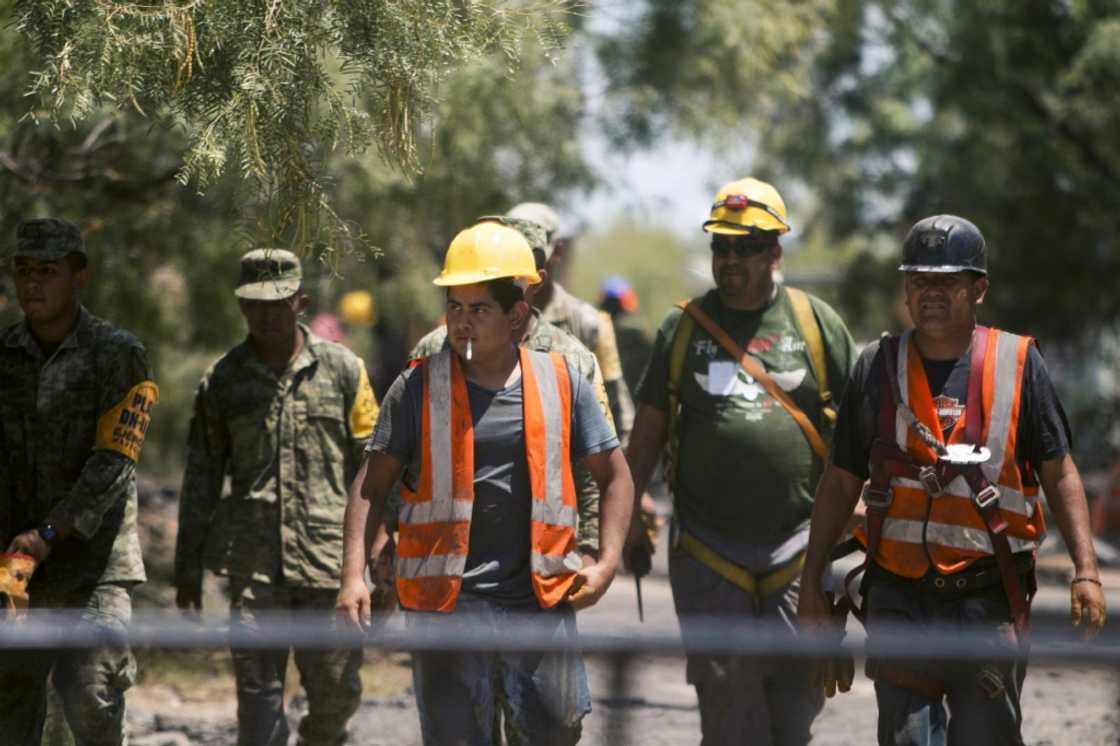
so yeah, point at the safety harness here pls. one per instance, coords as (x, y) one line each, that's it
(889, 461)
(764, 585)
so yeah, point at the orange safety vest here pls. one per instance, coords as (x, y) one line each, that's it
(435, 519)
(948, 529)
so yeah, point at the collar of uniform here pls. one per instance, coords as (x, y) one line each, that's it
(532, 324)
(557, 307)
(307, 355)
(20, 334)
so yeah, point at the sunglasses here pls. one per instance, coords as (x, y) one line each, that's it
(743, 246)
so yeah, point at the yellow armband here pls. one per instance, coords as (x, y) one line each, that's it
(363, 413)
(122, 428)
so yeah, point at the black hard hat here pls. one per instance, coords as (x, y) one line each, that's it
(944, 243)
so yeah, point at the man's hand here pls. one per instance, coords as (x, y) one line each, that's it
(353, 604)
(1087, 604)
(815, 615)
(30, 543)
(590, 585)
(188, 597)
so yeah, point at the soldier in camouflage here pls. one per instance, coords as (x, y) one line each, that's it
(285, 416)
(75, 402)
(580, 319)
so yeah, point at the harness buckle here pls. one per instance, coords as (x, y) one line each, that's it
(927, 475)
(878, 499)
(986, 497)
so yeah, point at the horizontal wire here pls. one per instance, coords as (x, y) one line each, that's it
(545, 632)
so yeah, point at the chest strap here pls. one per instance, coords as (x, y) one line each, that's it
(756, 371)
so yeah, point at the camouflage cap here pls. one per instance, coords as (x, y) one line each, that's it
(48, 239)
(269, 274)
(540, 214)
(534, 233)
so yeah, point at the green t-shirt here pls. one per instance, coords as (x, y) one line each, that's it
(746, 473)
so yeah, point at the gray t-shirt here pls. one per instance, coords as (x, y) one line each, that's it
(498, 559)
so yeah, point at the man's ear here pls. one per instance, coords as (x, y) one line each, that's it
(302, 303)
(81, 277)
(775, 255)
(519, 314)
(980, 288)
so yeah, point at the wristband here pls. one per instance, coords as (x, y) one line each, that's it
(1086, 580)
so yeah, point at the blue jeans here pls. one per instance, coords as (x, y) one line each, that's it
(983, 697)
(542, 696)
(743, 700)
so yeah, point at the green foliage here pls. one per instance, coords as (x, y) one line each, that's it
(273, 88)
(650, 259)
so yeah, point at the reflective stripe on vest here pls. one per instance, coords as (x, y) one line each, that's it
(435, 518)
(950, 527)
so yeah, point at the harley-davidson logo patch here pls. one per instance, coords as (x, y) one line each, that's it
(949, 410)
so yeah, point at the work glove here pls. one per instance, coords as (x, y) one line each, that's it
(15, 573)
(836, 674)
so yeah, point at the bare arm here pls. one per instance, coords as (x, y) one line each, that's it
(368, 492)
(610, 471)
(837, 495)
(647, 442)
(1065, 495)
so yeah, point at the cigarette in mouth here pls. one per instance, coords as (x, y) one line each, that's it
(470, 352)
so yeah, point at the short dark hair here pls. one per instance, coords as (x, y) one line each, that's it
(506, 292)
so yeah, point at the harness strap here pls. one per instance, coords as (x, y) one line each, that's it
(759, 585)
(756, 371)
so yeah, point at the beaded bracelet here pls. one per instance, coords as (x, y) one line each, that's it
(1086, 580)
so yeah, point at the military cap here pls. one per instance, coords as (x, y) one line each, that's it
(542, 215)
(533, 232)
(269, 274)
(48, 239)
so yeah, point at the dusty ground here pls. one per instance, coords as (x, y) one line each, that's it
(657, 707)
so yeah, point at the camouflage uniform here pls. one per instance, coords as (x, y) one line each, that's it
(291, 443)
(596, 331)
(72, 425)
(544, 337)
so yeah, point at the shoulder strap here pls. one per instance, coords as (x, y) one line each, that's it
(755, 370)
(811, 333)
(677, 350)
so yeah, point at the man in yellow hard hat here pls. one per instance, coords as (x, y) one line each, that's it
(483, 434)
(738, 389)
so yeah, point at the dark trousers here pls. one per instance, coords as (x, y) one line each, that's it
(329, 676)
(743, 700)
(982, 697)
(90, 682)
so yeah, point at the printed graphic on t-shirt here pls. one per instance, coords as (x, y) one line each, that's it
(728, 379)
(949, 410)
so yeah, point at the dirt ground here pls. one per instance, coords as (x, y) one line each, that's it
(655, 707)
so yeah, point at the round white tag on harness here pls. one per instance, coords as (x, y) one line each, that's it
(963, 453)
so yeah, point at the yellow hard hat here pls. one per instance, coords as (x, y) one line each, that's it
(488, 250)
(747, 206)
(358, 308)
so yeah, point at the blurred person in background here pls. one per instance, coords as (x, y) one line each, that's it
(738, 387)
(285, 415)
(579, 318)
(76, 395)
(955, 425)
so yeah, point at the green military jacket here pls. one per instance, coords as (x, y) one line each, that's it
(595, 330)
(290, 444)
(545, 337)
(73, 424)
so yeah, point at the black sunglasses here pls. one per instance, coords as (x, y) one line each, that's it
(743, 246)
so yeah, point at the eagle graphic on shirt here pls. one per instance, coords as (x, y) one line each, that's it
(745, 386)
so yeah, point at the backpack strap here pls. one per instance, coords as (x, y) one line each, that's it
(677, 351)
(810, 329)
